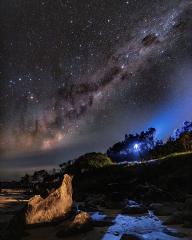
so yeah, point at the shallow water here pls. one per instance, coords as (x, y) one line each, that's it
(148, 226)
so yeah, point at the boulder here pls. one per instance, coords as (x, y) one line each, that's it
(187, 211)
(55, 206)
(131, 237)
(176, 218)
(81, 223)
(134, 208)
(12, 225)
(148, 192)
(183, 216)
(175, 234)
(166, 208)
(114, 200)
(105, 222)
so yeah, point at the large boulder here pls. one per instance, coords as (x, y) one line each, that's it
(165, 209)
(174, 219)
(133, 207)
(81, 223)
(184, 215)
(187, 211)
(56, 205)
(131, 237)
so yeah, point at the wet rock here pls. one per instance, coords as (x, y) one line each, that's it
(12, 226)
(149, 40)
(12, 214)
(116, 233)
(182, 216)
(175, 234)
(150, 193)
(176, 218)
(113, 201)
(134, 208)
(107, 221)
(131, 237)
(187, 211)
(187, 224)
(81, 223)
(53, 207)
(164, 209)
(93, 201)
(113, 205)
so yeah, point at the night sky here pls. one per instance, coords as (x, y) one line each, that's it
(77, 75)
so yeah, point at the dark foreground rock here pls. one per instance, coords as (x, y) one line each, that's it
(106, 222)
(134, 208)
(12, 225)
(174, 219)
(187, 211)
(166, 208)
(12, 214)
(181, 215)
(81, 223)
(131, 237)
(53, 207)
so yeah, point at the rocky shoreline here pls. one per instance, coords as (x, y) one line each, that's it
(134, 221)
(147, 201)
(98, 217)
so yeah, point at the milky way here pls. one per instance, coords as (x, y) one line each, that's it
(84, 74)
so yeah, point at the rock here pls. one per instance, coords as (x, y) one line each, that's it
(107, 221)
(12, 214)
(93, 201)
(175, 234)
(81, 223)
(187, 224)
(116, 233)
(164, 209)
(53, 207)
(182, 216)
(12, 226)
(187, 211)
(99, 219)
(113, 201)
(113, 205)
(134, 208)
(131, 237)
(176, 218)
(150, 193)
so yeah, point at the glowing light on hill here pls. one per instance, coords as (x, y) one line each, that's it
(136, 147)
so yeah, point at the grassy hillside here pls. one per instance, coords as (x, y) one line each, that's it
(167, 178)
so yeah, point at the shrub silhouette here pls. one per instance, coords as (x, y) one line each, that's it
(89, 161)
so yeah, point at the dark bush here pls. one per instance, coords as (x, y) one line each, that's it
(89, 161)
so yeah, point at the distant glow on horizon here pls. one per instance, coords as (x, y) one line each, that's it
(178, 108)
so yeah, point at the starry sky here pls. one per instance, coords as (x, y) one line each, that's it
(77, 75)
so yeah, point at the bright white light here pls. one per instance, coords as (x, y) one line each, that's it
(136, 147)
